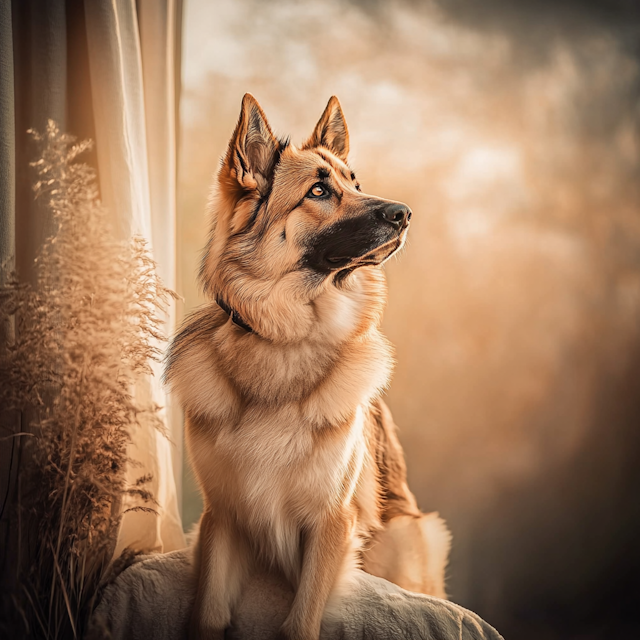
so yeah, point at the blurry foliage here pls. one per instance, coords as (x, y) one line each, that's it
(81, 337)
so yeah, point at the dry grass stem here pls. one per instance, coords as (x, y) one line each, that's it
(82, 337)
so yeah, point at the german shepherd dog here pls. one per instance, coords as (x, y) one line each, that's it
(280, 378)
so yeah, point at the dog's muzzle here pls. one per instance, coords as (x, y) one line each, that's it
(368, 238)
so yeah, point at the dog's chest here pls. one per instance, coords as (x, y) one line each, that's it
(272, 466)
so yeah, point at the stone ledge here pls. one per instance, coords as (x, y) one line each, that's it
(153, 598)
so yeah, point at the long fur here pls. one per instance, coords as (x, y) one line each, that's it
(295, 453)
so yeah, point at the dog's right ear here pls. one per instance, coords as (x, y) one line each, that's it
(253, 151)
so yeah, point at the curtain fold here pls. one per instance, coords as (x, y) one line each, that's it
(159, 38)
(103, 69)
(40, 49)
(7, 141)
(117, 90)
(130, 59)
(7, 260)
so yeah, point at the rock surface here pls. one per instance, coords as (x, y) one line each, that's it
(152, 600)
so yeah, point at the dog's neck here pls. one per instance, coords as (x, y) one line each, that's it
(296, 352)
(285, 313)
(217, 368)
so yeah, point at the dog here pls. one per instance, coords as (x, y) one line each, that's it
(280, 377)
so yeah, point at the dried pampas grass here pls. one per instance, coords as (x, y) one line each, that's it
(81, 337)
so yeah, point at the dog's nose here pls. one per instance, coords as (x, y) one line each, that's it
(396, 214)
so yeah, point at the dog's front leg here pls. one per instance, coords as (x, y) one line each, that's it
(325, 548)
(220, 565)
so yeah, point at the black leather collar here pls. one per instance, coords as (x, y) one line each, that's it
(236, 318)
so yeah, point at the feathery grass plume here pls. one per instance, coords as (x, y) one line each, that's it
(82, 336)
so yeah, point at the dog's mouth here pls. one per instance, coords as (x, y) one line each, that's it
(373, 257)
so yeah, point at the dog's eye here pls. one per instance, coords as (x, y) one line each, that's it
(318, 191)
(358, 187)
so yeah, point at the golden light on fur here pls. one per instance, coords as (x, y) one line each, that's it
(280, 377)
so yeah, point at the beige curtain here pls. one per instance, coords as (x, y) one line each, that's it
(131, 59)
(103, 69)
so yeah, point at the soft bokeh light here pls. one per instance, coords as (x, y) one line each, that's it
(515, 306)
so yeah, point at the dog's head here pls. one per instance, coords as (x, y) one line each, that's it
(292, 220)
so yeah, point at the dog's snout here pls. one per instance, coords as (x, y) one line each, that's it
(396, 214)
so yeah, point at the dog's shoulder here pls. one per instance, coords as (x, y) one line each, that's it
(192, 371)
(196, 329)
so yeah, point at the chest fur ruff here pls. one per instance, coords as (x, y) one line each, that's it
(268, 469)
(279, 406)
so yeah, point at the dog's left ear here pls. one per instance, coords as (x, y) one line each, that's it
(331, 131)
(253, 150)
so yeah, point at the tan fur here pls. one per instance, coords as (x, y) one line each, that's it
(294, 451)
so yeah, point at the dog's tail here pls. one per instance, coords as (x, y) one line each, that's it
(412, 548)
(412, 552)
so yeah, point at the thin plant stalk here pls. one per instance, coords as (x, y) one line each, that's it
(83, 337)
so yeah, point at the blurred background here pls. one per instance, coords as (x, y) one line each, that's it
(512, 131)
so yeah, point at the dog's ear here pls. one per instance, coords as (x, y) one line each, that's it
(331, 131)
(253, 150)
